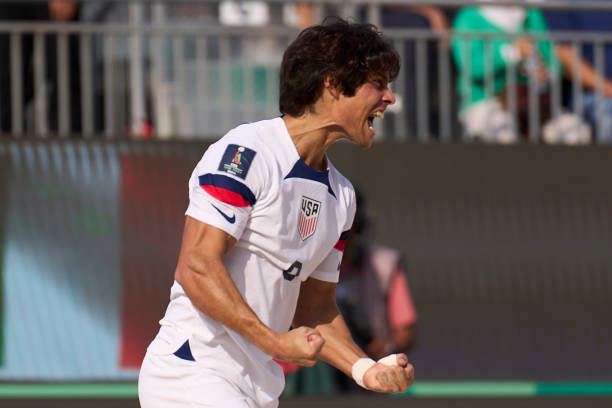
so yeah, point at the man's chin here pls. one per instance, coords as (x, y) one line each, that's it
(366, 142)
(365, 145)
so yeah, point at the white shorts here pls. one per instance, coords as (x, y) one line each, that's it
(168, 381)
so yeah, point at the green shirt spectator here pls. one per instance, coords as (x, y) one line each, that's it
(503, 49)
(511, 38)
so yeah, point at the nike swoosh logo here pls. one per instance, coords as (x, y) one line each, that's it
(229, 219)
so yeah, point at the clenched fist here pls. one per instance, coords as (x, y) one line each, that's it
(385, 376)
(300, 346)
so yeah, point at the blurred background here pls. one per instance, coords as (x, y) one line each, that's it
(490, 177)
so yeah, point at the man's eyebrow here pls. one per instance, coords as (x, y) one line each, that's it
(379, 80)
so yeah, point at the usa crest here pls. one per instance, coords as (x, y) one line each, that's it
(309, 214)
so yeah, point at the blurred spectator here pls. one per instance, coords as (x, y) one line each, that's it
(54, 10)
(424, 17)
(22, 11)
(303, 15)
(482, 68)
(261, 13)
(62, 10)
(258, 13)
(373, 296)
(600, 118)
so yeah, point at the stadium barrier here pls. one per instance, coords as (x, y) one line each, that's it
(178, 69)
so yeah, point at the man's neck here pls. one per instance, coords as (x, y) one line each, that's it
(312, 134)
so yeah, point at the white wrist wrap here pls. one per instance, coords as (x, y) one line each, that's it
(359, 368)
(390, 360)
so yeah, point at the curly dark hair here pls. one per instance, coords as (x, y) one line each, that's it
(350, 53)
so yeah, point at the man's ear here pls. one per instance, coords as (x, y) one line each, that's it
(329, 84)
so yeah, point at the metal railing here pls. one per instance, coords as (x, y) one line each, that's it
(159, 73)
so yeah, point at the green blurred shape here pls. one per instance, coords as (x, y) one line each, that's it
(574, 388)
(471, 389)
(260, 75)
(260, 81)
(315, 380)
(117, 390)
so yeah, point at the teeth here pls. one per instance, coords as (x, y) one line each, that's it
(372, 116)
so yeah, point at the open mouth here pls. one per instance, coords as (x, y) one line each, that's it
(371, 118)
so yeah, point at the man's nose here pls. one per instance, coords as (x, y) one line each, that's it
(388, 97)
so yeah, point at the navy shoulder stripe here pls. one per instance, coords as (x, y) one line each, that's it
(302, 170)
(227, 188)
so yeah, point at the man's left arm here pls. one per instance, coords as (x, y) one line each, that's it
(317, 308)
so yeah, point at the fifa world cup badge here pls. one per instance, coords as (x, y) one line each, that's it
(236, 160)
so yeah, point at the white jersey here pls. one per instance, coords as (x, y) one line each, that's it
(290, 222)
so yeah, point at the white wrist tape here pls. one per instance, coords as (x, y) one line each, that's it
(359, 368)
(390, 360)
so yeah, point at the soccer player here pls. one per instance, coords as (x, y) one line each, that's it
(267, 219)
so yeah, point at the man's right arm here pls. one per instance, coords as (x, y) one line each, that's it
(201, 273)
(588, 76)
